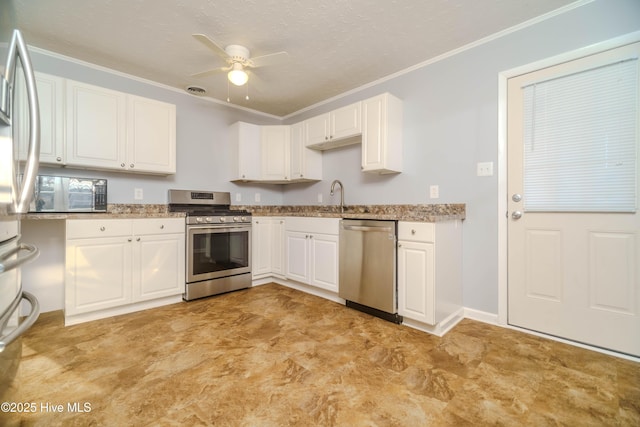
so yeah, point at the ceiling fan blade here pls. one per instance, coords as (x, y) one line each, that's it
(270, 59)
(209, 72)
(205, 40)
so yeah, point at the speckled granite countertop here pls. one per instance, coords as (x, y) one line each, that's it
(424, 213)
(114, 211)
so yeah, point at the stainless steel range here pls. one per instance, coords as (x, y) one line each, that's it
(218, 243)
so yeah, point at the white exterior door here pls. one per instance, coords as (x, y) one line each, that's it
(573, 225)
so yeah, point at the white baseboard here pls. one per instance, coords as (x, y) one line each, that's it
(481, 316)
(116, 311)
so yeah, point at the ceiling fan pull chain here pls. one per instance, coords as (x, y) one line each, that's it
(228, 99)
(247, 96)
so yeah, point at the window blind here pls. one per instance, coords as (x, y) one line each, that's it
(580, 138)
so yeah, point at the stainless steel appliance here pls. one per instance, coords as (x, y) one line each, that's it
(368, 267)
(15, 196)
(218, 243)
(68, 194)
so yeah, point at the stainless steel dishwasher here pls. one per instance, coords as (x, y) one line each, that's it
(368, 267)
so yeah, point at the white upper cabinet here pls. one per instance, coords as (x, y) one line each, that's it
(96, 132)
(335, 129)
(107, 129)
(274, 141)
(382, 134)
(305, 164)
(51, 102)
(151, 135)
(245, 151)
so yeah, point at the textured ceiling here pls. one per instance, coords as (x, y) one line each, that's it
(334, 45)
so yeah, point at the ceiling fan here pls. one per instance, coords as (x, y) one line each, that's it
(237, 58)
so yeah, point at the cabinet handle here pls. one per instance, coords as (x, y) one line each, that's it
(137, 239)
(399, 245)
(131, 165)
(129, 239)
(413, 231)
(121, 165)
(102, 228)
(162, 227)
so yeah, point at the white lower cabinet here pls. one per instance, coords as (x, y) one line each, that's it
(312, 251)
(429, 271)
(267, 247)
(113, 263)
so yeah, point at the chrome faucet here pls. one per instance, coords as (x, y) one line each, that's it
(333, 186)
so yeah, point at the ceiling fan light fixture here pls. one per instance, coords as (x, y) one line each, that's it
(237, 75)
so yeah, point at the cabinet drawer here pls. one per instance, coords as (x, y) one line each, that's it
(417, 231)
(89, 228)
(158, 226)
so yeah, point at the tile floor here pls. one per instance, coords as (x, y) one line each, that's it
(273, 356)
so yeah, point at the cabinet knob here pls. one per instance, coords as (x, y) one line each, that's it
(58, 159)
(121, 165)
(243, 175)
(413, 231)
(131, 165)
(331, 137)
(162, 227)
(326, 138)
(129, 239)
(137, 239)
(102, 228)
(286, 177)
(399, 245)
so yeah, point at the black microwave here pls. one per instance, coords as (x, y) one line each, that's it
(69, 194)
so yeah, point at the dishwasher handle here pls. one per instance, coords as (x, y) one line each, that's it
(367, 228)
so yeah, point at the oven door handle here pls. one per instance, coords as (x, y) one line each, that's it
(227, 229)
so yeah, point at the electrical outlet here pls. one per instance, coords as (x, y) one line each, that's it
(138, 194)
(238, 197)
(485, 169)
(257, 197)
(434, 191)
(319, 197)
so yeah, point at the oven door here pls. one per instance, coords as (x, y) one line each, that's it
(214, 252)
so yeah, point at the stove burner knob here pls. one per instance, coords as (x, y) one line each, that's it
(222, 219)
(244, 219)
(236, 219)
(209, 219)
(199, 219)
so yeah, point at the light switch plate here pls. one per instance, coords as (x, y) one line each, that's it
(434, 191)
(485, 169)
(319, 197)
(257, 197)
(238, 197)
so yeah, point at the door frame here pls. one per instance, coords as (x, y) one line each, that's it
(503, 78)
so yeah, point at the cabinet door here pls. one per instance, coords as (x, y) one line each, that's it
(382, 134)
(416, 281)
(324, 261)
(245, 152)
(346, 121)
(97, 274)
(96, 128)
(297, 250)
(277, 247)
(51, 103)
(317, 129)
(158, 265)
(151, 136)
(275, 153)
(261, 247)
(297, 149)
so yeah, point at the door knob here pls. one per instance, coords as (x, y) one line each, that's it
(516, 197)
(516, 215)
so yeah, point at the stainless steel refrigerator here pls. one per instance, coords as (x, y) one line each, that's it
(18, 170)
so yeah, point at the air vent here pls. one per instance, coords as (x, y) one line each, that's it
(195, 90)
